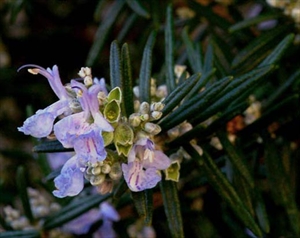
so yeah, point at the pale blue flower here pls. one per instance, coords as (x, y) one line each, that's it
(144, 165)
(82, 224)
(102, 84)
(69, 128)
(89, 147)
(109, 215)
(90, 104)
(70, 182)
(41, 123)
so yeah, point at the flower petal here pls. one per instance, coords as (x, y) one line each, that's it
(39, 125)
(139, 179)
(70, 127)
(160, 161)
(70, 181)
(89, 147)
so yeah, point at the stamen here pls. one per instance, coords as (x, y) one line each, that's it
(34, 71)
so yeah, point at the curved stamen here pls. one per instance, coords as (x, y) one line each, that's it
(52, 76)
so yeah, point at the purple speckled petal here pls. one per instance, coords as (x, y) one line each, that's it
(160, 161)
(89, 147)
(139, 179)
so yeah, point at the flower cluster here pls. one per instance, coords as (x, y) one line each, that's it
(107, 145)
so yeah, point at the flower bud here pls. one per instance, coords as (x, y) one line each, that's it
(88, 81)
(97, 179)
(144, 108)
(152, 128)
(173, 133)
(116, 171)
(157, 106)
(155, 115)
(96, 170)
(105, 168)
(144, 117)
(134, 120)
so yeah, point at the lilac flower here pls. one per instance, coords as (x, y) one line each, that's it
(108, 215)
(40, 124)
(83, 132)
(89, 147)
(69, 128)
(70, 181)
(144, 163)
(82, 224)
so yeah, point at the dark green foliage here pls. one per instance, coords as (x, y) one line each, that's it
(253, 180)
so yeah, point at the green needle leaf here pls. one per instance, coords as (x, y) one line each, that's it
(127, 80)
(276, 54)
(198, 103)
(103, 31)
(73, 210)
(280, 183)
(257, 49)
(20, 234)
(203, 132)
(220, 183)
(49, 146)
(175, 97)
(230, 95)
(146, 67)
(253, 21)
(193, 50)
(236, 158)
(143, 202)
(115, 65)
(22, 189)
(138, 8)
(169, 50)
(172, 207)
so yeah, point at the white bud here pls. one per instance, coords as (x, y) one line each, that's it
(88, 81)
(185, 127)
(96, 170)
(162, 91)
(156, 115)
(136, 91)
(116, 171)
(295, 13)
(85, 71)
(105, 168)
(98, 179)
(144, 117)
(157, 106)
(134, 119)
(152, 128)
(173, 133)
(144, 108)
